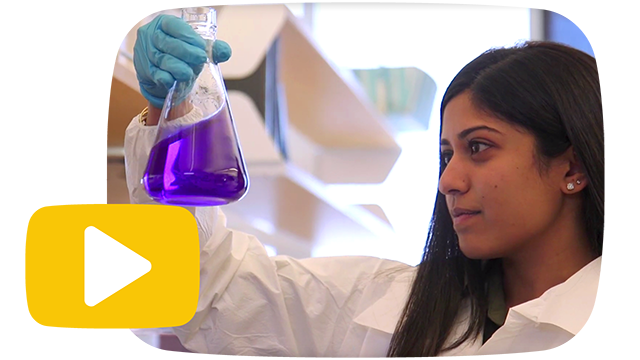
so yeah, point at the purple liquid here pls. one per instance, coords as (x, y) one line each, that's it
(198, 166)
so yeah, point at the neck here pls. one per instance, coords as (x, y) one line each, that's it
(551, 260)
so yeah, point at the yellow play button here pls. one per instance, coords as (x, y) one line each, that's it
(112, 266)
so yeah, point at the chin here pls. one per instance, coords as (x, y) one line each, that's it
(475, 248)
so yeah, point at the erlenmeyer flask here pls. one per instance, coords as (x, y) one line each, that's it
(196, 159)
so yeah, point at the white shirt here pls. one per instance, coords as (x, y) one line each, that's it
(253, 304)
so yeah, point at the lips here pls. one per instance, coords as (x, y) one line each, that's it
(457, 212)
(461, 217)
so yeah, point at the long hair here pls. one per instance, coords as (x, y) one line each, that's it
(553, 92)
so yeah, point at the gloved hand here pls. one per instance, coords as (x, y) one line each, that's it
(168, 49)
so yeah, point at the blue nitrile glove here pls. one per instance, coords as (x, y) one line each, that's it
(168, 49)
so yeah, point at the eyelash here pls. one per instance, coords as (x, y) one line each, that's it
(448, 154)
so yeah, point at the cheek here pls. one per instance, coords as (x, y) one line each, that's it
(504, 201)
(515, 209)
(511, 194)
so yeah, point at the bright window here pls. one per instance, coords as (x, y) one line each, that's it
(439, 40)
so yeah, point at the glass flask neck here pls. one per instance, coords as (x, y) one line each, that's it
(202, 20)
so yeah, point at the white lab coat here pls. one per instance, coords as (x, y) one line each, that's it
(251, 304)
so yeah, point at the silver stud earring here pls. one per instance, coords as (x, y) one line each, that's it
(578, 182)
(570, 186)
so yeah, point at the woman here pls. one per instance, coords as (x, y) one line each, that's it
(512, 259)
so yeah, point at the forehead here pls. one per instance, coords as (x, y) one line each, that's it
(460, 114)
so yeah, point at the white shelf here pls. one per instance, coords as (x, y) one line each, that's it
(344, 134)
(296, 205)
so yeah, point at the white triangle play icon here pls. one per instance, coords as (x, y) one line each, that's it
(108, 266)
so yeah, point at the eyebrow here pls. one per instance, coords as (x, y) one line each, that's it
(466, 132)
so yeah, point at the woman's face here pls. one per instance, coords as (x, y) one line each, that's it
(499, 200)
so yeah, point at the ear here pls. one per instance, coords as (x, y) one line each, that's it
(575, 179)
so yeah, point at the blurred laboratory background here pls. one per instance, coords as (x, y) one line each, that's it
(337, 111)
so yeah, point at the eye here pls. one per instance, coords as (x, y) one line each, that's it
(446, 156)
(476, 146)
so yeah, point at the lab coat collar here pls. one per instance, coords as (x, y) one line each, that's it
(566, 321)
(543, 309)
(567, 305)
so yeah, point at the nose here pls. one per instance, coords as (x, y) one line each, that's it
(454, 179)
